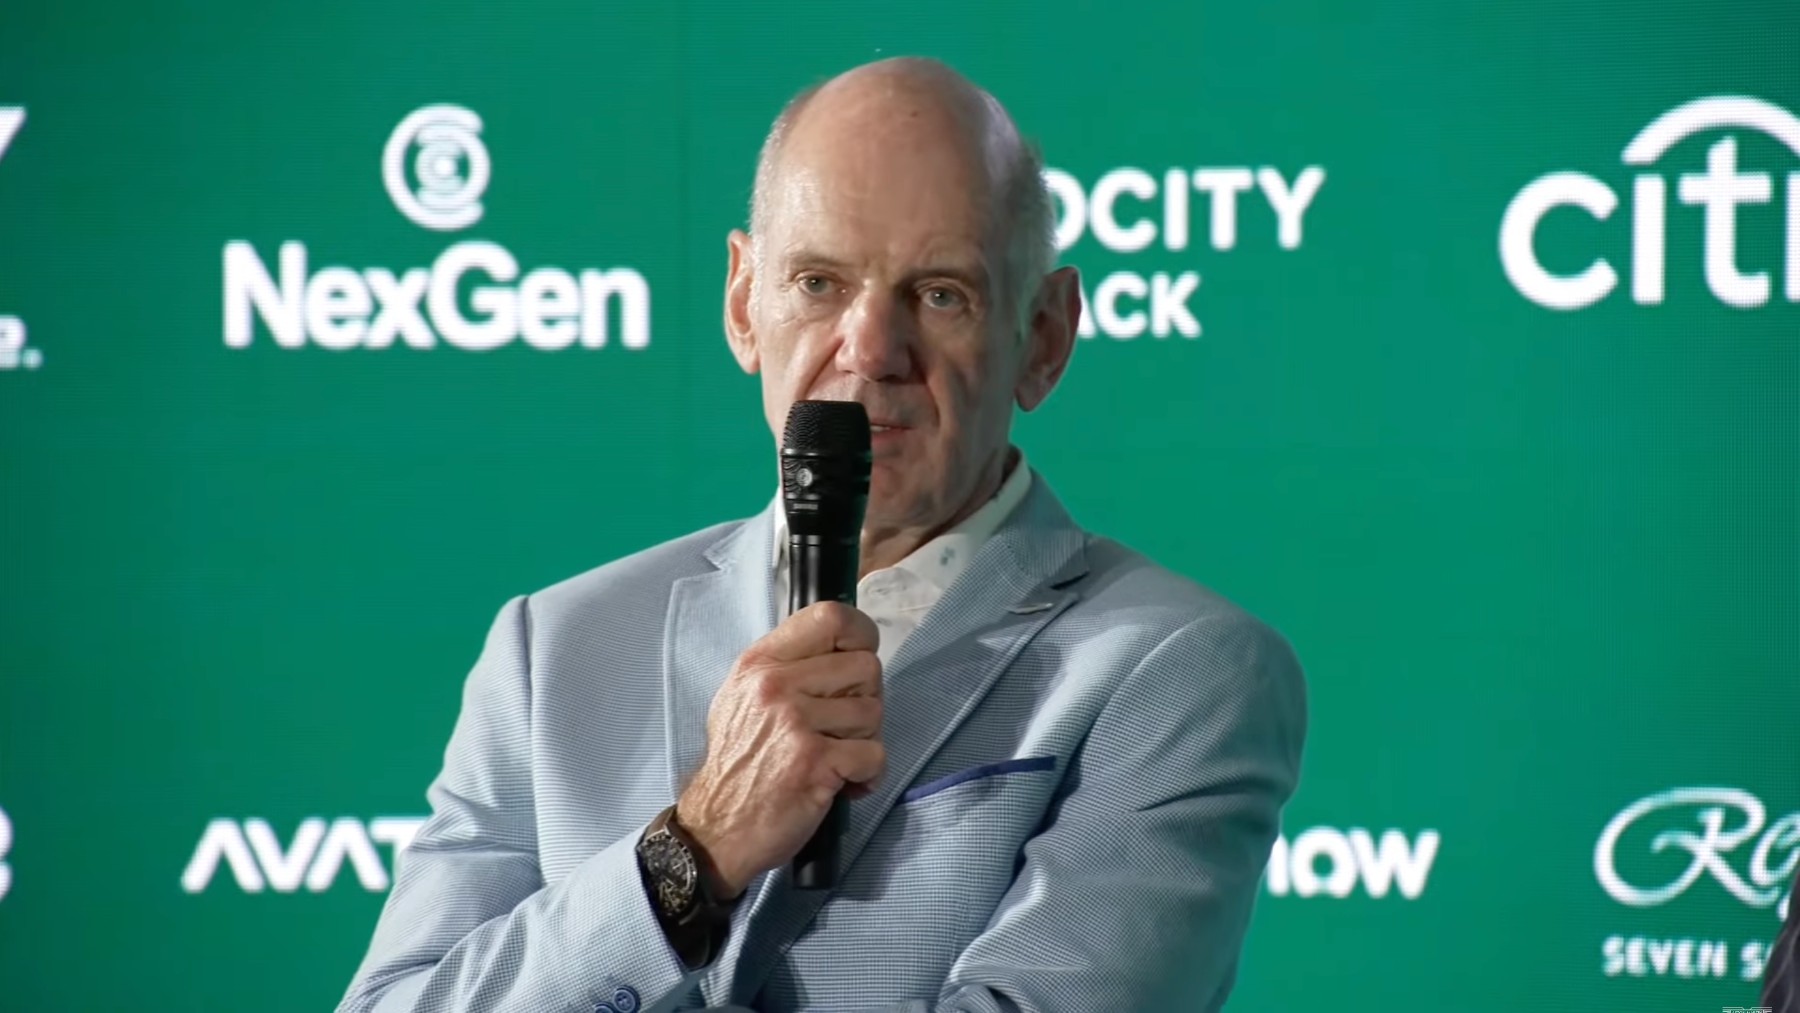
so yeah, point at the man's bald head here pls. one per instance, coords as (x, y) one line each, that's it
(899, 257)
(848, 108)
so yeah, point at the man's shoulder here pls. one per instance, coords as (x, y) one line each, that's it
(635, 577)
(1176, 628)
(1138, 589)
(1183, 648)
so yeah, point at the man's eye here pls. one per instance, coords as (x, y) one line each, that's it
(942, 298)
(814, 284)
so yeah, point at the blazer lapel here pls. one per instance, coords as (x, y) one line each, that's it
(712, 617)
(1015, 586)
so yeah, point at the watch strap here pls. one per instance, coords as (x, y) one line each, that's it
(698, 934)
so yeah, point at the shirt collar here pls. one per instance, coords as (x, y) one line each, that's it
(942, 559)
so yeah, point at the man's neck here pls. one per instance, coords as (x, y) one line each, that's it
(883, 547)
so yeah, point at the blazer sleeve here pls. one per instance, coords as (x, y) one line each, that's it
(1138, 892)
(470, 925)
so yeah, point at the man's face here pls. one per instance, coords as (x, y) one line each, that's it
(878, 279)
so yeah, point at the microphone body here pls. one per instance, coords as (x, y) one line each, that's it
(825, 459)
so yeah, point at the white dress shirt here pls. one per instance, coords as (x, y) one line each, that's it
(897, 597)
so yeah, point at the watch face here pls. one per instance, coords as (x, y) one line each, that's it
(673, 871)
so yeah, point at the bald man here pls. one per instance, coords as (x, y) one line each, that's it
(1066, 764)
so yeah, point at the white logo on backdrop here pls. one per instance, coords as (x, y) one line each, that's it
(11, 119)
(450, 167)
(475, 296)
(13, 352)
(1719, 190)
(6, 839)
(1354, 857)
(1128, 304)
(1705, 833)
(1712, 852)
(313, 858)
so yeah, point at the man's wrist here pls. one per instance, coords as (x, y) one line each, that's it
(694, 922)
(719, 885)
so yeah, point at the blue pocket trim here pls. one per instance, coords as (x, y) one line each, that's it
(985, 770)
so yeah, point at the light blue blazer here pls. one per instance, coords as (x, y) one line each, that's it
(1087, 760)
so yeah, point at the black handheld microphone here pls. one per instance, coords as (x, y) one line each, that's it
(824, 489)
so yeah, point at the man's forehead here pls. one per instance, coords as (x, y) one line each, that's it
(815, 204)
(874, 171)
(805, 239)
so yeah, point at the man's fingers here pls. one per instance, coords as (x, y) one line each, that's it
(839, 674)
(843, 717)
(858, 760)
(817, 629)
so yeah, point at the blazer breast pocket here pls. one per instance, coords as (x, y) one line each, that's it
(980, 772)
(974, 822)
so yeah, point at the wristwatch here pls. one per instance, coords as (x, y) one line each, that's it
(682, 891)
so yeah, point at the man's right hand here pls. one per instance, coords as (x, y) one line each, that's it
(796, 721)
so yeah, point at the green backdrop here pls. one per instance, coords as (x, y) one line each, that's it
(1393, 341)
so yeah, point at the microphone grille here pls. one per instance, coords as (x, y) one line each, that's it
(829, 428)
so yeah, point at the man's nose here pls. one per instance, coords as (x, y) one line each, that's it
(875, 339)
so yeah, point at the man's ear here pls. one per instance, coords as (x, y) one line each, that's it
(1050, 336)
(740, 271)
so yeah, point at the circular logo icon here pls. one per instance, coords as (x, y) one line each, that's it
(436, 167)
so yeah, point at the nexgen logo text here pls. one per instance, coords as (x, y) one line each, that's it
(342, 308)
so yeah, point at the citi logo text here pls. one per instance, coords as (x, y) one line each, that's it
(1720, 190)
(1707, 833)
(473, 297)
(1351, 858)
(313, 858)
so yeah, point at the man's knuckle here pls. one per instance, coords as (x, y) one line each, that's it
(865, 711)
(868, 666)
(808, 748)
(766, 687)
(783, 713)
